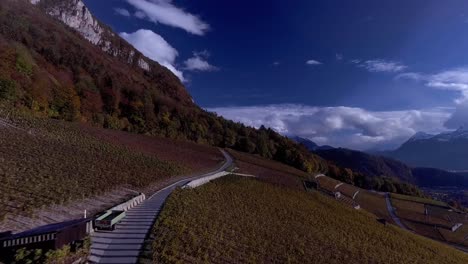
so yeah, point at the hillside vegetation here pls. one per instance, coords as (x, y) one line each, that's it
(367, 164)
(239, 220)
(369, 171)
(45, 162)
(270, 171)
(50, 70)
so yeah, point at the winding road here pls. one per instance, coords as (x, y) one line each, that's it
(123, 245)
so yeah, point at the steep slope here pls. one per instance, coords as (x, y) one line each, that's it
(62, 66)
(367, 164)
(236, 220)
(375, 166)
(310, 145)
(447, 151)
(52, 170)
(76, 15)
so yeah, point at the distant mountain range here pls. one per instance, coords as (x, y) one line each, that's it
(378, 165)
(448, 151)
(309, 144)
(375, 165)
(367, 164)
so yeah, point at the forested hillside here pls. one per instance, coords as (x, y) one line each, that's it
(370, 172)
(367, 164)
(53, 72)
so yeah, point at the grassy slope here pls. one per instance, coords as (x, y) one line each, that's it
(59, 162)
(269, 170)
(236, 220)
(418, 200)
(283, 175)
(196, 157)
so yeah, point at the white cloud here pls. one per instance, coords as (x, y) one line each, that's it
(198, 62)
(164, 12)
(355, 61)
(122, 11)
(459, 117)
(411, 76)
(350, 127)
(276, 63)
(140, 15)
(451, 80)
(380, 65)
(339, 56)
(154, 47)
(454, 80)
(313, 62)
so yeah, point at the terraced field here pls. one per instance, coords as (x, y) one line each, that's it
(436, 224)
(459, 237)
(196, 157)
(270, 171)
(374, 203)
(327, 183)
(348, 190)
(238, 220)
(51, 162)
(418, 200)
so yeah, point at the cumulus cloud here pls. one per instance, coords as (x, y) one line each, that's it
(165, 12)
(459, 117)
(313, 62)
(450, 80)
(154, 47)
(199, 63)
(122, 11)
(349, 127)
(380, 65)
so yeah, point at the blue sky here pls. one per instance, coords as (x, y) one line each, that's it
(359, 74)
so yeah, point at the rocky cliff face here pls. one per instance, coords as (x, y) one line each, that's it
(76, 15)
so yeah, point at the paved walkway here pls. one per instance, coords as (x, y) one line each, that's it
(391, 211)
(123, 245)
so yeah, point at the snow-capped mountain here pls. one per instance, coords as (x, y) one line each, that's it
(420, 136)
(448, 150)
(461, 133)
